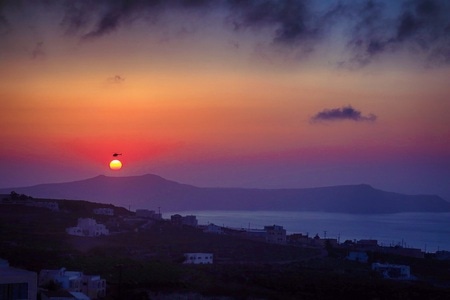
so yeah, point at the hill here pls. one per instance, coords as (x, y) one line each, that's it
(152, 191)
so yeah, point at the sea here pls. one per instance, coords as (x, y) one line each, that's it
(429, 232)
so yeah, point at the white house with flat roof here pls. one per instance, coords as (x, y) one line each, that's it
(88, 227)
(390, 271)
(198, 258)
(92, 286)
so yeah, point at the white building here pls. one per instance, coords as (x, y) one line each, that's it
(358, 256)
(88, 227)
(393, 271)
(17, 283)
(198, 258)
(106, 211)
(68, 280)
(93, 286)
(275, 234)
(212, 228)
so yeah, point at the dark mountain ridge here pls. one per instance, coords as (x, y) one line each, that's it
(152, 191)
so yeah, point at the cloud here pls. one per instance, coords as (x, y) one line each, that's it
(368, 28)
(292, 21)
(341, 114)
(418, 26)
(117, 79)
(38, 51)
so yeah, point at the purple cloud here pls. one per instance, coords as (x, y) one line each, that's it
(343, 113)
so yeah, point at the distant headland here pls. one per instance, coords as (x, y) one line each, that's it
(152, 191)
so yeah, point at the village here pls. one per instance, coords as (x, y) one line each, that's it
(97, 223)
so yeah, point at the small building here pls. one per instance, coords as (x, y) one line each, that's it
(256, 234)
(358, 256)
(106, 211)
(93, 286)
(388, 271)
(67, 280)
(88, 227)
(186, 220)
(325, 242)
(198, 258)
(17, 283)
(148, 214)
(299, 239)
(275, 234)
(212, 228)
(398, 250)
(443, 255)
(367, 245)
(53, 206)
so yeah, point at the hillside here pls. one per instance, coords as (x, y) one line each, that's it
(145, 262)
(152, 191)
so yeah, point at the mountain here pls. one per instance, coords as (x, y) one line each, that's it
(152, 191)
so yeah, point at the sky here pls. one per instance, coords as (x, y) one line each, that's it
(227, 93)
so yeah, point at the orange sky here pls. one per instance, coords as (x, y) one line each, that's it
(200, 103)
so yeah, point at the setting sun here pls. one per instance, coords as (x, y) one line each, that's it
(115, 164)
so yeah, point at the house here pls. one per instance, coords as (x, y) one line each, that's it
(67, 280)
(88, 227)
(198, 258)
(92, 286)
(148, 214)
(443, 255)
(319, 242)
(256, 234)
(212, 228)
(358, 256)
(186, 220)
(275, 234)
(106, 211)
(389, 271)
(367, 245)
(53, 206)
(299, 239)
(17, 283)
(398, 250)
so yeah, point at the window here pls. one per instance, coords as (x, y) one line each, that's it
(14, 291)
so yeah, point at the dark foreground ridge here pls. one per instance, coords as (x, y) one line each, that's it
(154, 191)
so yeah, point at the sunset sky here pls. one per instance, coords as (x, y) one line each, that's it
(266, 94)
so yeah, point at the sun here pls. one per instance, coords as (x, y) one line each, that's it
(115, 164)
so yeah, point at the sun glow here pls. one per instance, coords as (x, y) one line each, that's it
(115, 164)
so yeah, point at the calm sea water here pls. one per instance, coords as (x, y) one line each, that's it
(427, 231)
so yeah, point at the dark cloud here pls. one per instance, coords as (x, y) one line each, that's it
(116, 79)
(292, 21)
(344, 113)
(371, 28)
(4, 23)
(38, 51)
(419, 26)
